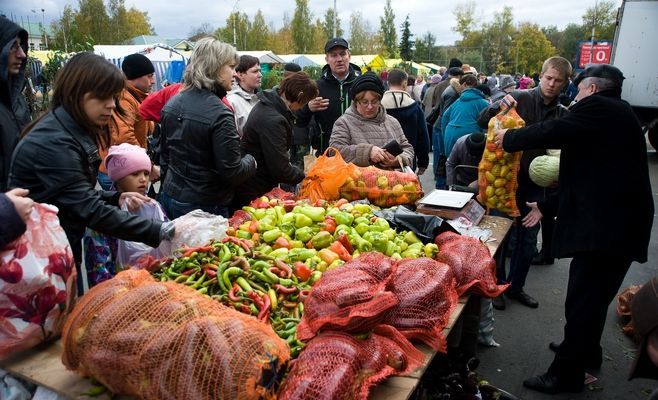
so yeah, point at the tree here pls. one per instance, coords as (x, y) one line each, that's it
(406, 49)
(319, 37)
(529, 50)
(425, 50)
(464, 15)
(329, 23)
(259, 34)
(282, 39)
(602, 17)
(388, 32)
(92, 21)
(497, 39)
(568, 46)
(197, 33)
(65, 32)
(360, 34)
(235, 31)
(302, 31)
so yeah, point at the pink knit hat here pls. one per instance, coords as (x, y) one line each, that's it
(125, 159)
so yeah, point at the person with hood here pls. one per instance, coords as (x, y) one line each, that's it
(243, 97)
(14, 111)
(408, 112)
(200, 144)
(268, 136)
(506, 86)
(467, 152)
(460, 118)
(334, 85)
(602, 249)
(361, 133)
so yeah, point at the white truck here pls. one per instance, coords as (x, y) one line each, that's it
(635, 53)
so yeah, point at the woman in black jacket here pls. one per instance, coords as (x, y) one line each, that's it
(200, 144)
(267, 136)
(57, 160)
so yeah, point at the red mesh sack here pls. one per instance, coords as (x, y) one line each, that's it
(381, 187)
(427, 296)
(238, 218)
(338, 366)
(471, 262)
(37, 283)
(352, 298)
(624, 300)
(498, 169)
(163, 340)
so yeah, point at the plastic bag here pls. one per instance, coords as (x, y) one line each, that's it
(426, 227)
(381, 187)
(128, 253)
(326, 176)
(37, 283)
(497, 172)
(195, 228)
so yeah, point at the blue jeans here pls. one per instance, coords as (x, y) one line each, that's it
(174, 208)
(437, 144)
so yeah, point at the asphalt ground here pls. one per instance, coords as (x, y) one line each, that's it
(524, 333)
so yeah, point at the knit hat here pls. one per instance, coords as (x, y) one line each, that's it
(506, 81)
(644, 311)
(455, 62)
(136, 65)
(455, 71)
(436, 78)
(125, 159)
(292, 67)
(367, 81)
(475, 143)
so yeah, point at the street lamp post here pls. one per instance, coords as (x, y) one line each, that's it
(43, 24)
(235, 21)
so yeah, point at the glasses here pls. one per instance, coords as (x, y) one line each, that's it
(367, 103)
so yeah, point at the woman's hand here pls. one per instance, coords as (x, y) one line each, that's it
(533, 217)
(22, 203)
(133, 200)
(378, 155)
(390, 161)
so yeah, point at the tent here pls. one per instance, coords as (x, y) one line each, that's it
(303, 60)
(264, 56)
(373, 61)
(433, 67)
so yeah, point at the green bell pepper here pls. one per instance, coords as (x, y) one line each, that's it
(322, 239)
(304, 234)
(271, 235)
(301, 220)
(343, 218)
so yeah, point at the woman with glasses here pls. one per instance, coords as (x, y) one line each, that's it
(361, 133)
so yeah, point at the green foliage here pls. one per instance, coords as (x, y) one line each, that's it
(425, 48)
(530, 47)
(328, 25)
(405, 40)
(259, 34)
(362, 41)
(464, 15)
(301, 28)
(272, 79)
(602, 17)
(389, 36)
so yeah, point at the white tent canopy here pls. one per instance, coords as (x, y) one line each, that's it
(264, 56)
(154, 52)
(303, 60)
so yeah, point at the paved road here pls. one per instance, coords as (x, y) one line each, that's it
(524, 333)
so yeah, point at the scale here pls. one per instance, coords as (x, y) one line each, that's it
(450, 204)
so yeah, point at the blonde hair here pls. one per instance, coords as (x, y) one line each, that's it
(208, 58)
(561, 64)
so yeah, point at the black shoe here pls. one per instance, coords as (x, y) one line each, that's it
(549, 383)
(541, 259)
(498, 302)
(523, 298)
(593, 362)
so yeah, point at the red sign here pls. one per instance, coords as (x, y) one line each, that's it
(597, 54)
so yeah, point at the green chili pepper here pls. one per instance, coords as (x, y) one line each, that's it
(242, 234)
(285, 282)
(279, 253)
(297, 254)
(362, 228)
(271, 278)
(288, 218)
(271, 235)
(343, 218)
(226, 276)
(244, 284)
(317, 214)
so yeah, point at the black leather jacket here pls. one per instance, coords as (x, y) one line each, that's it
(201, 148)
(58, 162)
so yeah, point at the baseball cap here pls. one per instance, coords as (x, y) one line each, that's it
(335, 42)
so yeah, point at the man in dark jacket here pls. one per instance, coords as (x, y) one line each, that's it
(401, 106)
(334, 86)
(603, 245)
(535, 106)
(14, 112)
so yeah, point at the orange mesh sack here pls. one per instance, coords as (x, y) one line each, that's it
(352, 298)
(624, 300)
(471, 262)
(37, 283)
(163, 340)
(497, 172)
(338, 366)
(381, 187)
(326, 176)
(426, 292)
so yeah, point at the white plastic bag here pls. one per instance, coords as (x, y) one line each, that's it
(193, 229)
(129, 253)
(37, 283)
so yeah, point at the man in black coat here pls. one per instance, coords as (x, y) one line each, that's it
(602, 145)
(334, 86)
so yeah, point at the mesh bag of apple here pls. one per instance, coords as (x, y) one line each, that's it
(163, 340)
(383, 188)
(498, 169)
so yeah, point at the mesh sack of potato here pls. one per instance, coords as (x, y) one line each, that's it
(498, 169)
(163, 340)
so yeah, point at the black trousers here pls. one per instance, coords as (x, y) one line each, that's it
(594, 281)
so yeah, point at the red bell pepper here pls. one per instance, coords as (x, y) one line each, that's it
(345, 241)
(302, 271)
(339, 249)
(281, 242)
(329, 225)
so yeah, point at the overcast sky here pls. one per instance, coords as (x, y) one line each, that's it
(176, 19)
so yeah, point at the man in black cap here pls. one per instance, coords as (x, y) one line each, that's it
(644, 314)
(601, 142)
(334, 86)
(467, 152)
(131, 127)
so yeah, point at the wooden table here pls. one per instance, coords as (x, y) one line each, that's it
(43, 366)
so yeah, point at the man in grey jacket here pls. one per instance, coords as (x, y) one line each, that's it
(14, 112)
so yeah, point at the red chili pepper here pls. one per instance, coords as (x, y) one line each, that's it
(288, 205)
(253, 226)
(188, 272)
(265, 309)
(246, 244)
(345, 241)
(302, 271)
(211, 273)
(329, 225)
(338, 248)
(303, 294)
(188, 251)
(275, 271)
(245, 309)
(256, 298)
(231, 293)
(284, 267)
(340, 202)
(284, 290)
